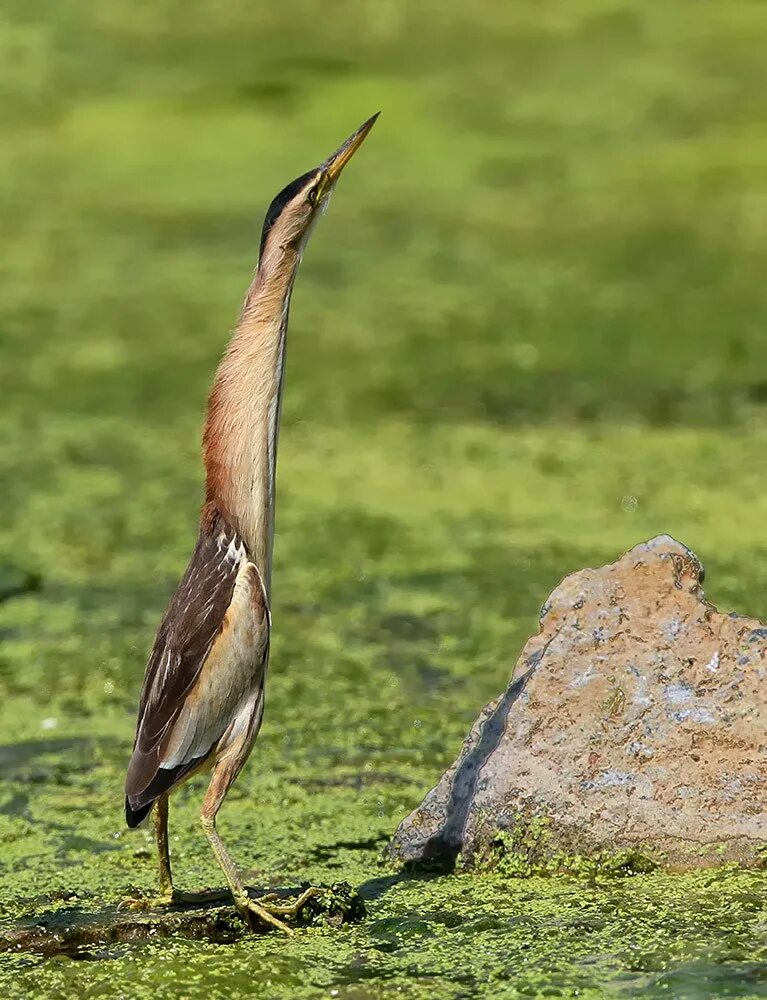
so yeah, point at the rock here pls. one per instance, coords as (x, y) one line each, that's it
(636, 721)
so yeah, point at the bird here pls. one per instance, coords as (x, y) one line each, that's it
(202, 698)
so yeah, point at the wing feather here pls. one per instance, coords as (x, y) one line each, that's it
(209, 656)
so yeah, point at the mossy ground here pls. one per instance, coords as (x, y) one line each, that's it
(528, 334)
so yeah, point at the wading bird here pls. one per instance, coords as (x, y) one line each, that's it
(202, 699)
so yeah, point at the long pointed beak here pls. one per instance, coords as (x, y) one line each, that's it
(334, 164)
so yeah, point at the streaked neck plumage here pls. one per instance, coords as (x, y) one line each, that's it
(243, 416)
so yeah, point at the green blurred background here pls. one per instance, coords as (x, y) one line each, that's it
(528, 334)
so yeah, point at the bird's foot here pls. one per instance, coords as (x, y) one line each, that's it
(285, 908)
(161, 901)
(269, 909)
(254, 914)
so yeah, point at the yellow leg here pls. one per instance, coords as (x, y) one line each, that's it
(167, 895)
(266, 910)
(262, 910)
(160, 813)
(248, 907)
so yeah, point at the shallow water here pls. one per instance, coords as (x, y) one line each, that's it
(527, 335)
(428, 934)
(388, 637)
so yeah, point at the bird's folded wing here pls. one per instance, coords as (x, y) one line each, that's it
(208, 660)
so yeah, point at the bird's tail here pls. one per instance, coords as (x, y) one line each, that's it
(135, 816)
(141, 794)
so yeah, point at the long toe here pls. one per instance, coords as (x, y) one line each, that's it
(256, 916)
(143, 903)
(132, 903)
(287, 907)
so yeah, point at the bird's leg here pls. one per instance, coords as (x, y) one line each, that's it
(167, 895)
(163, 851)
(250, 909)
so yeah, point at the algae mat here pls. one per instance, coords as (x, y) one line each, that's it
(392, 625)
(528, 334)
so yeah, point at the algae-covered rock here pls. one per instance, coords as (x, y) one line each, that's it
(636, 721)
(72, 930)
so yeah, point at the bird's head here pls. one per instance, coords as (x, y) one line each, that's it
(292, 214)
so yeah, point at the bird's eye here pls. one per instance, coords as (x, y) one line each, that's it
(312, 196)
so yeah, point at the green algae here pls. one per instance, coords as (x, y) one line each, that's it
(532, 846)
(527, 335)
(67, 928)
(462, 936)
(529, 848)
(374, 683)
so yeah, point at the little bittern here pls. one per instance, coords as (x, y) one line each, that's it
(203, 695)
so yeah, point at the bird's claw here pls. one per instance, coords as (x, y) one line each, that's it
(271, 909)
(254, 915)
(137, 904)
(266, 909)
(288, 909)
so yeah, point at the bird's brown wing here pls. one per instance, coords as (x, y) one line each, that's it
(205, 669)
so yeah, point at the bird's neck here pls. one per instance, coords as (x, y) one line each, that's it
(243, 416)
